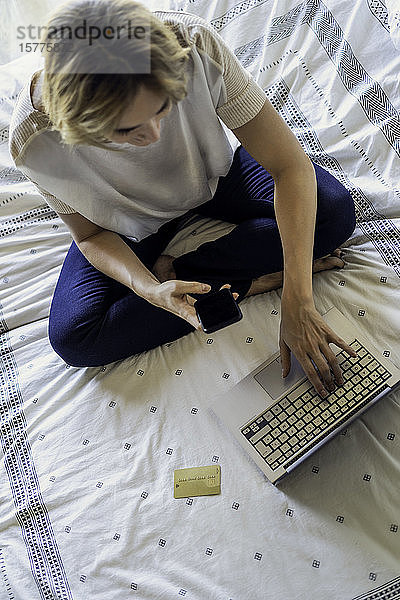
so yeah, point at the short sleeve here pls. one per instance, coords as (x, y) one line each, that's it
(53, 202)
(244, 97)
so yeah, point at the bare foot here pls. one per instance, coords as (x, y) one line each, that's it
(273, 281)
(163, 269)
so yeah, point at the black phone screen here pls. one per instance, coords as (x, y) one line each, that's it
(218, 309)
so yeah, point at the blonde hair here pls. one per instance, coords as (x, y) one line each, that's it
(86, 107)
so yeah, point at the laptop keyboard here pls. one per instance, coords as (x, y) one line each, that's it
(296, 423)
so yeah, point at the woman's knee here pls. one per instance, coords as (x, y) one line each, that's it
(87, 350)
(70, 346)
(103, 339)
(75, 332)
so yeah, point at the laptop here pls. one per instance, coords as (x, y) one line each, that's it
(280, 422)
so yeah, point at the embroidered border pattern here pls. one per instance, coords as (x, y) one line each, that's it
(379, 10)
(31, 513)
(36, 215)
(387, 591)
(381, 231)
(373, 100)
(5, 577)
(235, 12)
(11, 175)
(376, 105)
(4, 134)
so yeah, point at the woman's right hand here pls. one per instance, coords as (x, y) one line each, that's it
(174, 295)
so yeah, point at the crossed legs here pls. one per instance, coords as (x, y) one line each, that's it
(94, 320)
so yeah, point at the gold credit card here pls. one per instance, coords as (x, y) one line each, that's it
(197, 481)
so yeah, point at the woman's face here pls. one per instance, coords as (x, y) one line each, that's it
(140, 123)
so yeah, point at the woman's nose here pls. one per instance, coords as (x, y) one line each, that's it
(152, 131)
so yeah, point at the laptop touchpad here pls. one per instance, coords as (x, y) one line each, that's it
(271, 380)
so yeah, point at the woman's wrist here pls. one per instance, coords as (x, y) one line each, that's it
(299, 295)
(297, 277)
(145, 289)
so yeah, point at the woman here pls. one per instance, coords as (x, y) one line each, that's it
(123, 157)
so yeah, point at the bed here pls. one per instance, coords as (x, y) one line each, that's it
(87, 454)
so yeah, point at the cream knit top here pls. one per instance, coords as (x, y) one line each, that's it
(136, 191)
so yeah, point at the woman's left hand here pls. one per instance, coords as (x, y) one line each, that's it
(304, 332)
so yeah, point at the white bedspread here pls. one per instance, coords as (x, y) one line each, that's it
(86, 480)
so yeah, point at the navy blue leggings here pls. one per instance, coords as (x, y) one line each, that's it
(95, 320)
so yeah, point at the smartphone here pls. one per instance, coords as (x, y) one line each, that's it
(216, 310)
